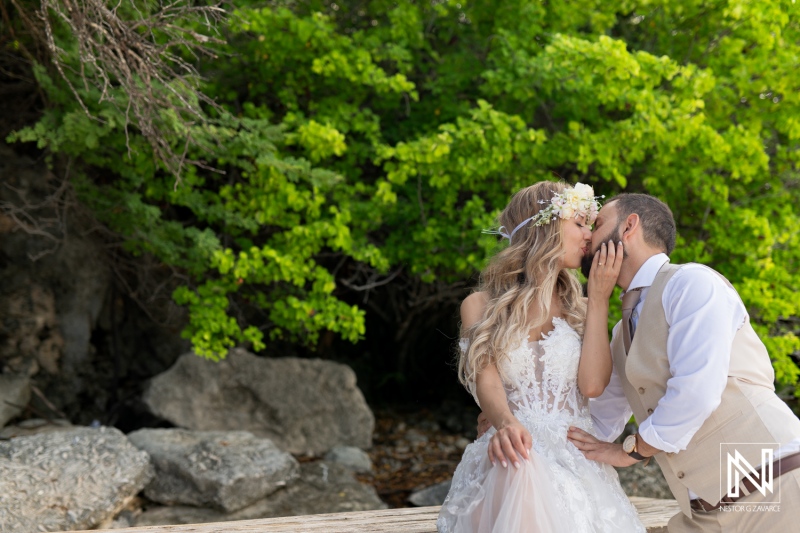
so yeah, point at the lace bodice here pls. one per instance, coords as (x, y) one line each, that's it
(541, 377)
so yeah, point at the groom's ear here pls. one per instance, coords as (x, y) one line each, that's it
(632, 224)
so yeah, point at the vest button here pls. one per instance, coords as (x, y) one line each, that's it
(649, 411)
(680, 475)
(641, 390)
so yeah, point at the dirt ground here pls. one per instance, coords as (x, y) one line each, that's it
(411, 451)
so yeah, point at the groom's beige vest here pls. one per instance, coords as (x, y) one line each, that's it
(749, 414)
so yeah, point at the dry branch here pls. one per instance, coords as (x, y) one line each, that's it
(133, 53)
(47, 218)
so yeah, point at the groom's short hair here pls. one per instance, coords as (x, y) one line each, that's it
(658, 224)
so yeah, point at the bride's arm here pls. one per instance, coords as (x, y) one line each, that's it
(511, 438)
(594, 369)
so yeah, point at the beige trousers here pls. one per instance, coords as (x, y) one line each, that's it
(750, 513)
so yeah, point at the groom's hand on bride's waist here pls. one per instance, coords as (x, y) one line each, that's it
(598, 450)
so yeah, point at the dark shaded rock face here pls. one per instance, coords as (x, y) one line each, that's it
(15, 392)
(29, 329)
(303, 405)
(52, 283)
(86, 347)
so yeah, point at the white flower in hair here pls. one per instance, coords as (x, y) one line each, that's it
(584, 191)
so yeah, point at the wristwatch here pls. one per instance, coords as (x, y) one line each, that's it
(629, 446)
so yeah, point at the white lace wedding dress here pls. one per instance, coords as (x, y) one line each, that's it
(558, 490)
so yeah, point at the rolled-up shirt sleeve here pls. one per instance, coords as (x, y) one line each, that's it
(611, 410)
(703, 314)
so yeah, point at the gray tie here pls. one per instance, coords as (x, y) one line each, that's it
(629, 301)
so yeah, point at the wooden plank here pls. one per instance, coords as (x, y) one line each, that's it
(654, 515)
(412, 520)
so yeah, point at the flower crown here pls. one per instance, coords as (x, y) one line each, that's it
(572, 203)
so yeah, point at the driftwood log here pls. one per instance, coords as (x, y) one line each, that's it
(654, 514)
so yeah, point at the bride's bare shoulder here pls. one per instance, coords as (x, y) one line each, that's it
(472, 308)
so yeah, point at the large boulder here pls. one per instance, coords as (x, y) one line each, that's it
(306, 406)
(323, 487)
(68, 480)
(226, 470)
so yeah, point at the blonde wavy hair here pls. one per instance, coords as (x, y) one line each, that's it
(522, 277)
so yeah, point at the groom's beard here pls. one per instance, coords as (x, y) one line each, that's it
(588, 259)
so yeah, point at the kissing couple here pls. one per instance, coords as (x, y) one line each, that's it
(555, 393)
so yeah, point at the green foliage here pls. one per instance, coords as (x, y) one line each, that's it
(389, 134)
(253, 234)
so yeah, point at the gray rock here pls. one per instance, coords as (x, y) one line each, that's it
(433, 495)
(322, 488)
(163, 515)
(462, 442)
(415, 437)
(68, 480)
(226, 470)
(303, 405)
(351, 457)
(122, 522)
(15, 393)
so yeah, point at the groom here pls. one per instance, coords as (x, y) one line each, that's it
(699, 381)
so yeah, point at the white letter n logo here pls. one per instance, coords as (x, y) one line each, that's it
(746, 469)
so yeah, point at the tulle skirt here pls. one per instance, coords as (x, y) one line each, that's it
(556, 490)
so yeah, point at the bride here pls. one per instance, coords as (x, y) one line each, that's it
(532, 351)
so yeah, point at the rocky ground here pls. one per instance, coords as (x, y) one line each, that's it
(411, 451)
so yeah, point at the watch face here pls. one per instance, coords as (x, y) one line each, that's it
(629, 443)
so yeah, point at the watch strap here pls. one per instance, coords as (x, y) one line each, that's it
(636, 455)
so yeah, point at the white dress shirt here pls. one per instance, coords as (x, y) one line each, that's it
(703, 314)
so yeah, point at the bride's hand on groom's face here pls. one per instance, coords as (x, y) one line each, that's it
(605, 270)
(598, 450)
